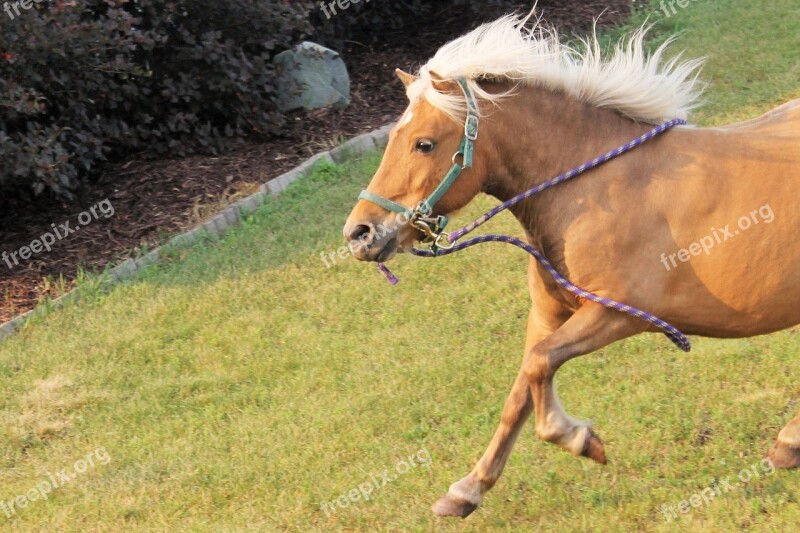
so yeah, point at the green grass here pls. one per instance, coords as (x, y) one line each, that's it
(753, 51)
(241, 384)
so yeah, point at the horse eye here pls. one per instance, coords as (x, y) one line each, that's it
(425, 146)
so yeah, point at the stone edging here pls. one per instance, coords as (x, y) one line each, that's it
(218, 225)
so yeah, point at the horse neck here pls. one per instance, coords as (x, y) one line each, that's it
(538, 134)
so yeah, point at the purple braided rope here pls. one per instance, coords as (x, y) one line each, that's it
(596, 162)
(670, 331)
(678, 338)
(388, 273)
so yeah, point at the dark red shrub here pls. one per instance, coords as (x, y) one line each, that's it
(81, 81)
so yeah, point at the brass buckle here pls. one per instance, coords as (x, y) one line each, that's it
(431, 228)
(424, 226)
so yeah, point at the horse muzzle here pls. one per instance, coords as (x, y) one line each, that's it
(367, 244)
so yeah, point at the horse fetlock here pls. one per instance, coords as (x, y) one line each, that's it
(566, 432)
(579, 440)
(575, 441)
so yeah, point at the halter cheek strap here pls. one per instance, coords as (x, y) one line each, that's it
(419, 216)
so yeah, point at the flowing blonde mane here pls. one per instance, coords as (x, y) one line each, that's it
(627, 80)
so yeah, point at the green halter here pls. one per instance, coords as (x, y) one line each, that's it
(419, 216)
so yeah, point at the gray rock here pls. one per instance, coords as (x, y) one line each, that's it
(311, 77)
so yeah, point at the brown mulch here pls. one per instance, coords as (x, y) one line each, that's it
(155, 198)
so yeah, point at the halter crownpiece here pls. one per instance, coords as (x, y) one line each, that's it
(444, 244)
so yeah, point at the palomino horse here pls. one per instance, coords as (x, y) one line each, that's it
(697, 226)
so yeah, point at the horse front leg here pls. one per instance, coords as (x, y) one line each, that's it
(465, 495)
(590, 328)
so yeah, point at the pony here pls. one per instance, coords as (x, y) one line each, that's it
(697, 226)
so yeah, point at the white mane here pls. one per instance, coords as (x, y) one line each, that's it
(628, 80)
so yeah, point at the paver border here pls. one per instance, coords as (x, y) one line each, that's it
(220, 223)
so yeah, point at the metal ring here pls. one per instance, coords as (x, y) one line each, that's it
(446, 236)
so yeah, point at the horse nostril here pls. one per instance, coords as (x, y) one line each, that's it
(361, 233)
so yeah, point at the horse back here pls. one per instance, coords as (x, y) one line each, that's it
(783, 121)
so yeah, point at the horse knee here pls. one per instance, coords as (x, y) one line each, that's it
(537, 368)
(543, 361)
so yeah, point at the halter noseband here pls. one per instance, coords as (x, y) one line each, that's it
(420, 216)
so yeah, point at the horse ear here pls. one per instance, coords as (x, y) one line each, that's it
(405, 77)
(441, 84)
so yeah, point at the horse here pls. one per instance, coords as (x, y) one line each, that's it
(697, 226)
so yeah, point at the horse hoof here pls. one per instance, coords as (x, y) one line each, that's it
(451, 506)
(784, 456)
(594, 449)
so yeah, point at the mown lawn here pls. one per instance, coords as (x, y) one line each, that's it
(243, 383)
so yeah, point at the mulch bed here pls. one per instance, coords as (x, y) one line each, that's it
(156, 198)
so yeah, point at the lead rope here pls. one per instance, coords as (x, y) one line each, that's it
(678, 338)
